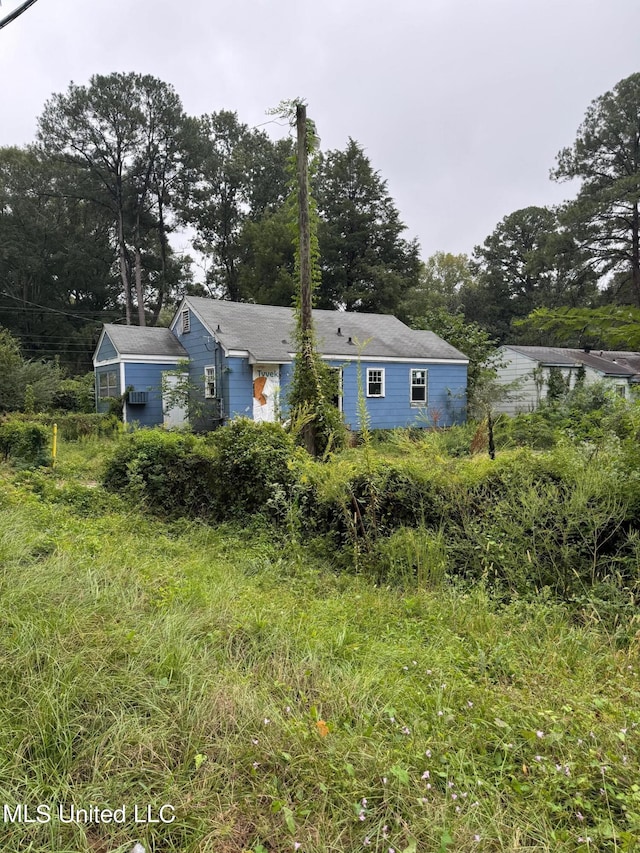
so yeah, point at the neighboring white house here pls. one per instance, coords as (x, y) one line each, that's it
(533, 366)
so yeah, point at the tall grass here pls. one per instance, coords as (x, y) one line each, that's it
(274, 703)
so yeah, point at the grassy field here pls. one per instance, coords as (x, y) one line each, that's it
(272, 704)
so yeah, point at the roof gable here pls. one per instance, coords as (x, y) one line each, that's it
(267, 332)
(606, 362)
(143, 341)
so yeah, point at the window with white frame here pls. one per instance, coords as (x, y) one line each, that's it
(375, 382)
(418, 392)
(108, 384)
(186, 321)
(209, 382)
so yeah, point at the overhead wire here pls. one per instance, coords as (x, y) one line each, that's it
(16, 13)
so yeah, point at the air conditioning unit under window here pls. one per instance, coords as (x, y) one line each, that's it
(138, 398)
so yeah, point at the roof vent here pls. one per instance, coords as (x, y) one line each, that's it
(218, 329)
(350, 342)
(340, 332)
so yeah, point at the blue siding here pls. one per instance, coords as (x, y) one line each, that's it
(107, 350)
(146, 377)
(446, 385)
(205, 352)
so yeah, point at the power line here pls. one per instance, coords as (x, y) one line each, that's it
(16, 13)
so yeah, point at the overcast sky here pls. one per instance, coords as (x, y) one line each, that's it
(461, 105)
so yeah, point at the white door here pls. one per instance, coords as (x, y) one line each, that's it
(174, 410)
(266, 386)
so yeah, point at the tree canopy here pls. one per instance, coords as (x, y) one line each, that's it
(366, 263)
(606, 158)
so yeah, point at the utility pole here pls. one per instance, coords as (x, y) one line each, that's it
(304, 225)
(303, 220)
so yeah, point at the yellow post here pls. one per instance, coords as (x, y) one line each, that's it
(54, 449)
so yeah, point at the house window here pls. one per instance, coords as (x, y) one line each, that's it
(418, 394)
(186, 321)
(375, 382)
(209, 383)
(108, 384)
(621, 390)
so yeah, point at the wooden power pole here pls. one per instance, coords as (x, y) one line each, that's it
(306, 321)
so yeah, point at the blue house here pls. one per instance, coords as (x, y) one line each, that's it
(138, 363)
(240, 362)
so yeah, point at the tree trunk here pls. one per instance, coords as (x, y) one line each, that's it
(635, 253)
(139, 291)
(124, 273)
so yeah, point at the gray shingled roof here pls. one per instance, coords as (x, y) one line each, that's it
(267, 332)
(144, 340)
(607, 362)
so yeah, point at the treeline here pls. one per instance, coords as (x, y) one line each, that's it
(88, 213)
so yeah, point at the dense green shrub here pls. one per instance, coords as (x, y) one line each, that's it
(238, 470)
(78, 425)
(171, 473)
(253, 465)
(75, 395)
(23, 442)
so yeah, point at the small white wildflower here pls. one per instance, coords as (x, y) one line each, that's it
(366, 842)
(428, 786)
(138, 848)
(539, 733)
(426, 774)
(267, 721)
(476, 838)
(470, 704)
(254, 741)
(428, 753)
(406, 730)
(364, 802)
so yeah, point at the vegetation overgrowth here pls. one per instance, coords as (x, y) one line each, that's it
(237, 672)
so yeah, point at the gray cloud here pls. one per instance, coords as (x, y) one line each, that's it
(461, 105)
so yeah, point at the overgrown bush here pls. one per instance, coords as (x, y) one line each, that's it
(232, 473)
(24, 443)
(562, 520)
(173, 474)
(252, 462)
(75, 395)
